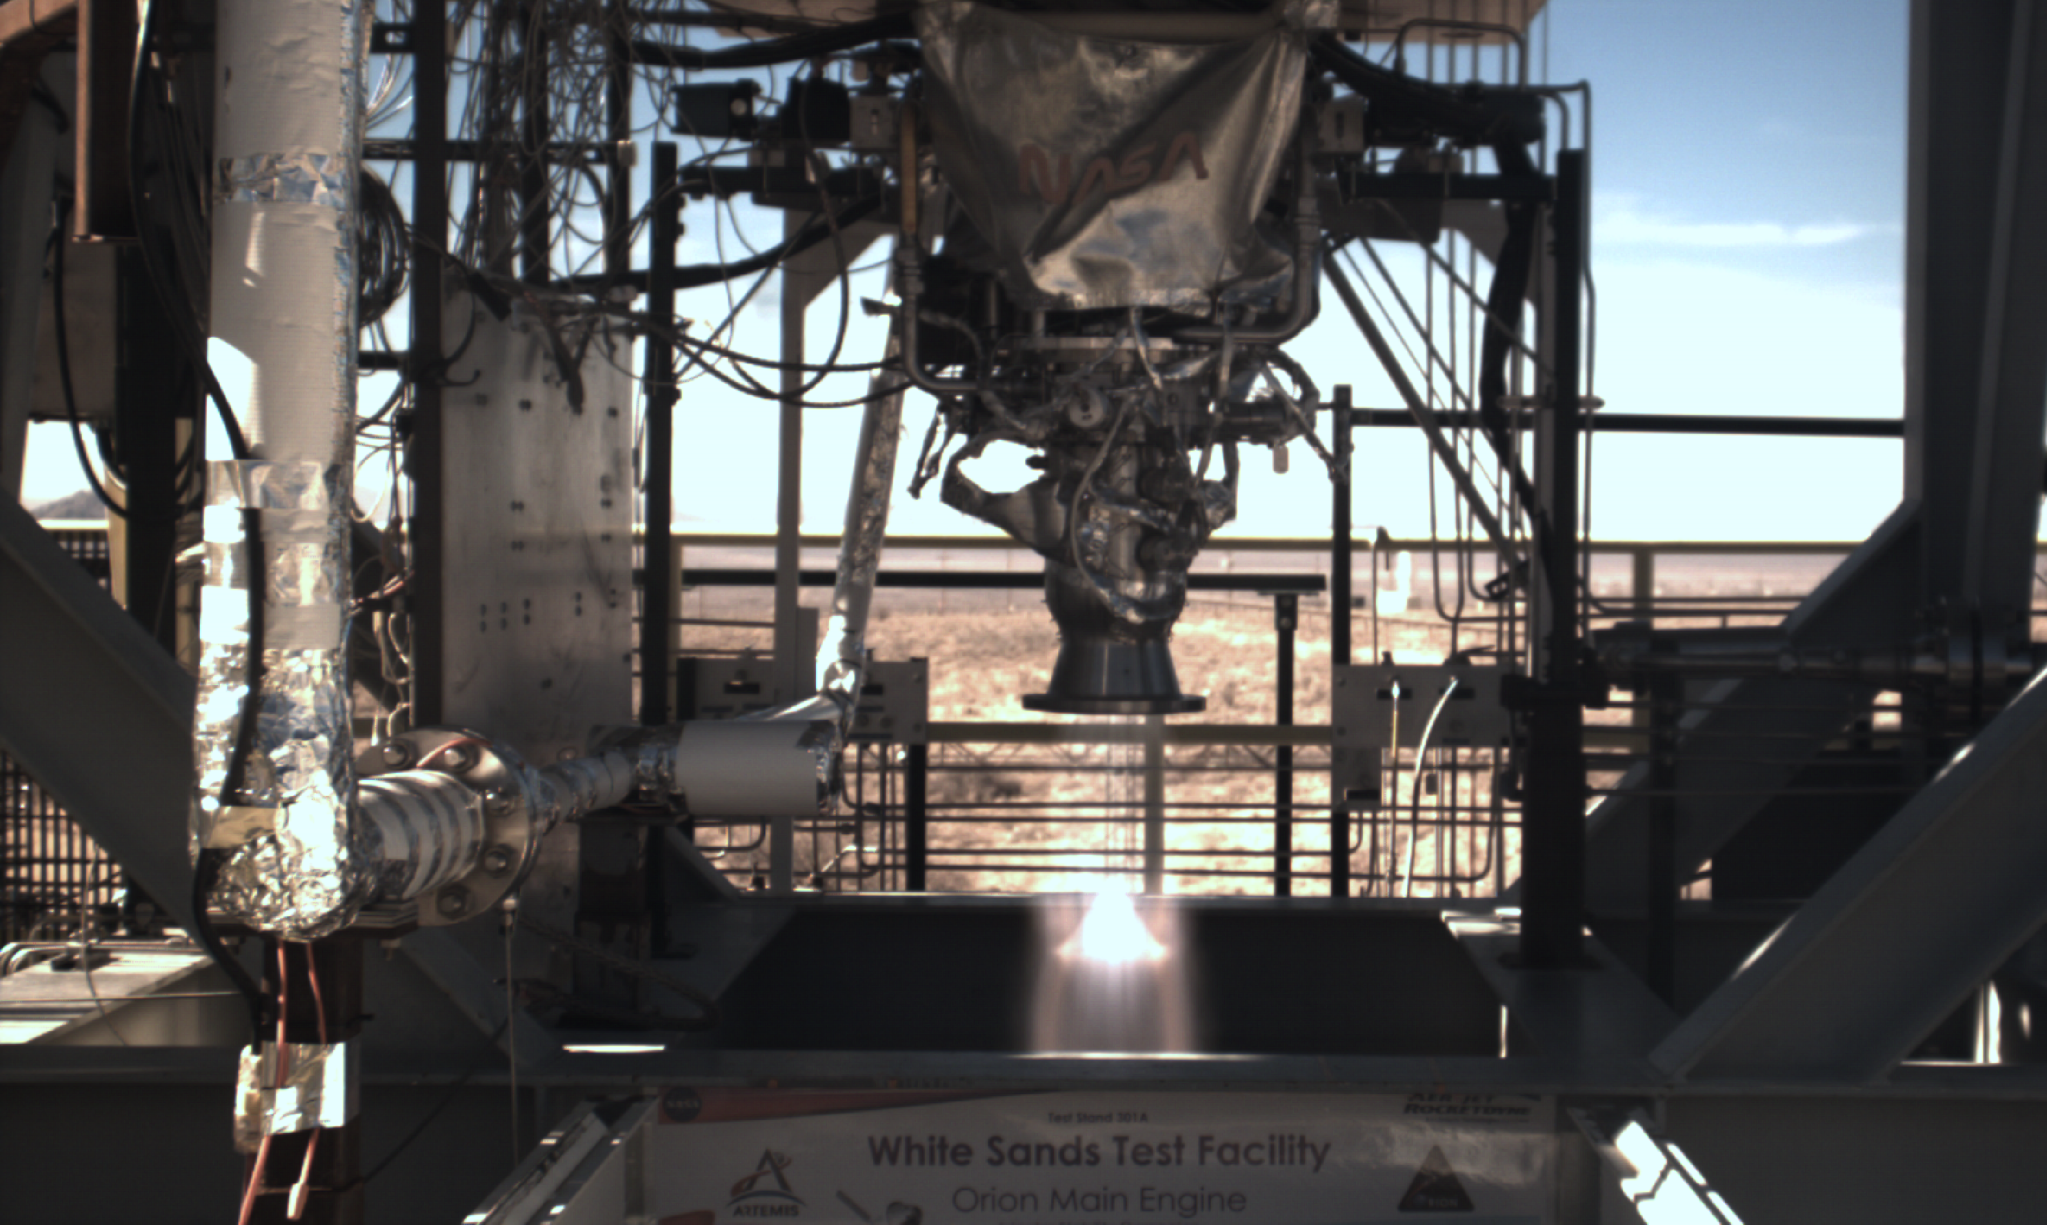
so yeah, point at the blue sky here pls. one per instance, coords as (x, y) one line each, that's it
(1748, 165)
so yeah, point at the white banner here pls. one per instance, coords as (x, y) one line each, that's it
(1110, 1158)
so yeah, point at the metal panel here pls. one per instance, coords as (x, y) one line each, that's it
(1797, 1160)
(539, 500)
(1921, 916)
(538, 495)
(895, 702)
(79, 682)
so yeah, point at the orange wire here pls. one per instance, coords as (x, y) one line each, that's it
(297, 1201)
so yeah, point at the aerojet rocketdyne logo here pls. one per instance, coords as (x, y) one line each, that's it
(766, 1192)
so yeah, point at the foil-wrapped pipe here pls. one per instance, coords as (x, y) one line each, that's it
(568, 790)
(278, 797)
(425, 829)
(842, 661)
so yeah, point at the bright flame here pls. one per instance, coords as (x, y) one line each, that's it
(1109, 979)
(1111, 933)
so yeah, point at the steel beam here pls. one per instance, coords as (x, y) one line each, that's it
(1762, 731)
(474, 989)
(95, 710)
(1893, 942)
(1976, 302)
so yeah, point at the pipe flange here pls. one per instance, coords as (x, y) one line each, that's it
(511, 828)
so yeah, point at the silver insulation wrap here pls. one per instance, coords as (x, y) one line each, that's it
(424, 828)
(287, 140)
(316, 1089)
(1106, 172)
(843, 657)
(572, 789)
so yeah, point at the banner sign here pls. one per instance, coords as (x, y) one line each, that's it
(1107, 1158)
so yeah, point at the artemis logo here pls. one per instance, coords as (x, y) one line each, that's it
(750, 1198)
(1034, 170)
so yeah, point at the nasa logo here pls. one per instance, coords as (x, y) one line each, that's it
(1111, 178)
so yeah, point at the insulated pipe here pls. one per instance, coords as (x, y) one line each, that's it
(278, 799)
(427, 830)
(1307, 301)
(842, 661)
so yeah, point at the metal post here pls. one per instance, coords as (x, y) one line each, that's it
(429, 42)
(1643, 588)
(1339, 532)
(657, 551)
(1155, 804)
(147, 413)
(789, 659)
(618, 117)
(1339, 620)
(536, 222)
(106, 56)
(1553, 814)
(1666, 696)
(916, 817)
(1286, 617)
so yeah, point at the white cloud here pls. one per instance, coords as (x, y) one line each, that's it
(1626, 226)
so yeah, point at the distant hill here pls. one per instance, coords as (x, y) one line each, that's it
(80, 505)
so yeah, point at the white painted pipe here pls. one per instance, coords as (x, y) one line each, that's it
(287, 140)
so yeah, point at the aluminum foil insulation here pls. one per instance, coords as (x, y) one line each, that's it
(287, 138)
(842, 661)
(423, 828)
(1106, 172)
(571, 789)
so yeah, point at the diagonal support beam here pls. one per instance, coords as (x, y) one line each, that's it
(1887, 948)
(1762, 731)
(95, 710)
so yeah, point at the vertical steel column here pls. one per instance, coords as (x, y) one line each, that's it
(1642, 563)
(789, 661)
(101, 201)
(536, 220)
(916, 817)
(1553, 813)
(657, 552)
(1665, 698)
(1339, 531)
(1155, 805)
(1339, 620)
(1286, 617)
(429, 42)
(618, 123)
(150, 371)
(1976, 309)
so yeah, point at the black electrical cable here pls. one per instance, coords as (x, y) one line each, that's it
(696, 276)
(382, 246)
(179, 306)
(57, 245)
(1472, 114)
(769, 52)
(205, 874)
